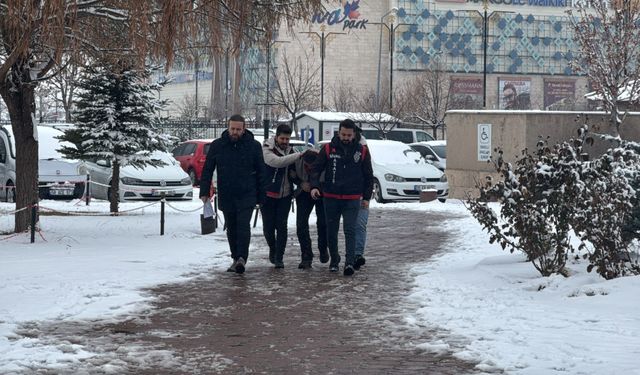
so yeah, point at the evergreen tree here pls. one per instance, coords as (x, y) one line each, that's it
(116, 116)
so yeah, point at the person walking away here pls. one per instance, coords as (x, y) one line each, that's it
(279, 158)
(362, 220)
(347, 186)
(305, 204)
(241, 180)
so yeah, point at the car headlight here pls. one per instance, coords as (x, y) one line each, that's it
(131, 181)
(185, 181)
(443, 178)
(393, 177)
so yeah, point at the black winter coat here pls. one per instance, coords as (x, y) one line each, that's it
(241, 174)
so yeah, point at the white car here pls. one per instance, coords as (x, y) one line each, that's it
(433, 151)
(58, 178)
(147, 183)
(400, 174)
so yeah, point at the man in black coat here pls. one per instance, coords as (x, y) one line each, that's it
(241, 184)
(347, 186)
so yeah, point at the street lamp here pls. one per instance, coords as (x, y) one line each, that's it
(324, 39)
(392, 41)
(391, 11)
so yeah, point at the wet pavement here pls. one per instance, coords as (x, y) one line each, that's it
(285, 321)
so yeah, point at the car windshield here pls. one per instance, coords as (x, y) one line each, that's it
(394, 154)
(441, 151)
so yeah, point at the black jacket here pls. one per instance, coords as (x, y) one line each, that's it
(241, 175)
(347, 168)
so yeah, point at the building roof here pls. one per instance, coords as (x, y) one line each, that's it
(355, 116)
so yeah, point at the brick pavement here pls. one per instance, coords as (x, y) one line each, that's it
(288, 321)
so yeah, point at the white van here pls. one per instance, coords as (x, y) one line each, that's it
(7, 165)
(403, 135)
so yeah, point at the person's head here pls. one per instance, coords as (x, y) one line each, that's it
(235, 127)
(283, 135)
(509, 94)
(347, 131)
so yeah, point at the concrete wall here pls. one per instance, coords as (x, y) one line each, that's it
(514, 131)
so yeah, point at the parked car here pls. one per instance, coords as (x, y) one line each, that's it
(403, 135)
(7, 165)
(192, 154)
(399, 173)
(433, 151)
(58, 177)
(147, 183)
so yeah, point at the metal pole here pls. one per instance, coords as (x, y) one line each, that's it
(391, 44)
(87, 188)
(162, 215)
(226, 85)
(196, 69)
(379, 63)
(33, 222)
(322, 45)
(484, 65)
(265, 121)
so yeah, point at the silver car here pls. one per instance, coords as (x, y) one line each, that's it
(147, 183)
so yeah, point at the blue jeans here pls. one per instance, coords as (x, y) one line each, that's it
(348, 210)
(361, 230)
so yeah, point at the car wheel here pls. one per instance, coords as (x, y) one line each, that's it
(10, 195)
(377, 191)
(192, 176)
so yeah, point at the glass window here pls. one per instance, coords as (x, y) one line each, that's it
(189, 149)
(400, 135)
(206, 148)
(3, 152)
(422, 136)
(178, 150)
(441, 151)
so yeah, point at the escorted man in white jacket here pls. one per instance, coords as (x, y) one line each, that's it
(279, 158)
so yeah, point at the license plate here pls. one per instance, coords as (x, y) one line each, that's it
(424, 187)
(158, 193)
(61, 191)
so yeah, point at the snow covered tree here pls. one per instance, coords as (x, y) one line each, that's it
(116, 116)
(607, 34)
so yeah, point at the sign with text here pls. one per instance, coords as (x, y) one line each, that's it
(514, 93)
(348, 16)
(466, 93)
(484, 142)
(558, 91)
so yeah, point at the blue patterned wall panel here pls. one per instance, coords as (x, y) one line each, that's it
(516, 43)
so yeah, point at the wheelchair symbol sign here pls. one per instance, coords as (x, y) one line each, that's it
(484, 142)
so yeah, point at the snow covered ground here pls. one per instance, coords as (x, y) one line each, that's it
(491, 306)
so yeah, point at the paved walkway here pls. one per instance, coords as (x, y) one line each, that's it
(288, 321)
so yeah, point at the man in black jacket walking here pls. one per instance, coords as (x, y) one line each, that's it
(347, 186)
(241, 184)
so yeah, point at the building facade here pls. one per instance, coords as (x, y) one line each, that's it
(372, 45)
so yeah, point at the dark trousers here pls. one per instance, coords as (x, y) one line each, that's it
(348, 210)
(304, 206)
(238, 222)
(275, 213)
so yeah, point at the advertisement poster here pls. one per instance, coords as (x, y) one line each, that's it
(466, 93)
(514, 93)
(559, 91)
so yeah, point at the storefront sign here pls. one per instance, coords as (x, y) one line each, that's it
(514, 93)
(557, 90)
(348, 16)
(466, 93)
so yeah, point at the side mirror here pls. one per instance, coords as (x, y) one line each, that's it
(430, 157)
(103, 163)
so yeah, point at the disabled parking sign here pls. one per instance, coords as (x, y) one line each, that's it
(484, 142)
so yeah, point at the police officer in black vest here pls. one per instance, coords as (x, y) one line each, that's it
(347, 186)
(241, 180)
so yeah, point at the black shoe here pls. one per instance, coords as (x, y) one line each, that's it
(360, 261)
(304, 265)
(233, 266)
(240, 265)
(333, 268)
(279, 265)
(348, 270)
(272, 256)
(324, 256)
